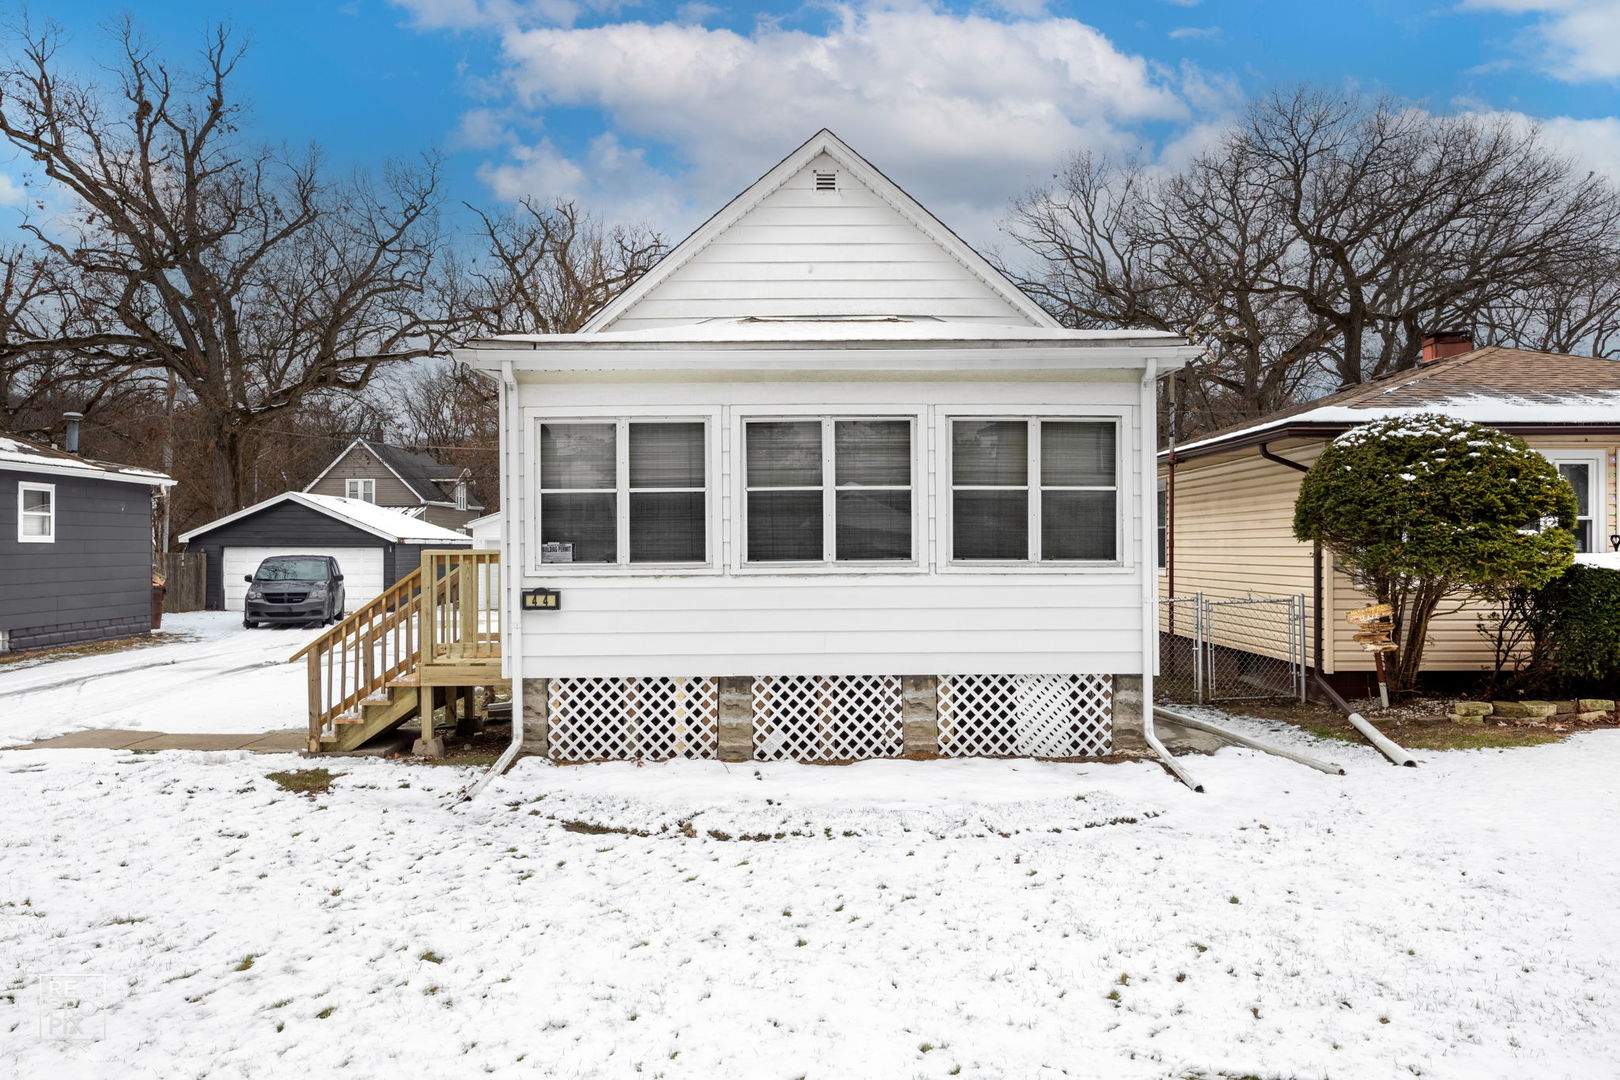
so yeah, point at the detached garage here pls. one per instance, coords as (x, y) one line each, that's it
(374, 546)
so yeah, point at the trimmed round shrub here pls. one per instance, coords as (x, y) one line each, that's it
(1422, 508)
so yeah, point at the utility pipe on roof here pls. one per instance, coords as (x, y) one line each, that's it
(1147, 408)
(511, 573)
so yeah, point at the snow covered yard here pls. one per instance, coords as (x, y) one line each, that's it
(215, 676)
(915, 919)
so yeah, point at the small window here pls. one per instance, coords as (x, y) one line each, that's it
(1584, 473)
(1162, 524)
(1034, 490)
(624, 492)
(36, 513)
(828, 490)
(363, 489)
(461, 495)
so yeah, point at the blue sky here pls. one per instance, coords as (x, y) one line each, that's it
(661, 111)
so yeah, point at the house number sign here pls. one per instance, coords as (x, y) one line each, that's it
(541, 599)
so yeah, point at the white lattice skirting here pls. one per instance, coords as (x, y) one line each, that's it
(1050, 716)
(648, 719)
(827, 717)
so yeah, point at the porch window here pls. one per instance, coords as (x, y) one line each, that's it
(623, 492)
(362, 489)
(1034, 490)
(36, 513)
(1584, 473)
(829, 490)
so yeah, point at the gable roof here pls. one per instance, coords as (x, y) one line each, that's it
(413, 468)
(980, 284)
(379, 521)
(1514, 389)
(30, 456)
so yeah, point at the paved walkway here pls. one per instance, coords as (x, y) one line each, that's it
(279, 742)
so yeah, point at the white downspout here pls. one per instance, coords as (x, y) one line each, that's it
(511, 413)
(1148, 408)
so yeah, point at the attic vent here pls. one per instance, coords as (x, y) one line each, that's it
(826, 181)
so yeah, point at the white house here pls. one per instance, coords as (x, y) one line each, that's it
(825, 485)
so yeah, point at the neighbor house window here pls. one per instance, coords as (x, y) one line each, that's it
(623, 491)
(1034, 490)
(1162, 525)
(828, 490)
(1584, 473)
(365, 490)
(461, 495)
(36, 513)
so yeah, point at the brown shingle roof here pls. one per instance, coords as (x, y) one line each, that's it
(1521, 377)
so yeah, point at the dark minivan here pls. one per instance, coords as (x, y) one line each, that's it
(294, 589)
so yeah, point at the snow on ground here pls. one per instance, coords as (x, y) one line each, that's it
(216, 676)
(1455, 920)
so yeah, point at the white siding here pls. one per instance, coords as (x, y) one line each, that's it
(804, 252)
(928, 619)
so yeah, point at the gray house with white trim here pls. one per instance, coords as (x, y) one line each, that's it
(408, 481)
(75, 547)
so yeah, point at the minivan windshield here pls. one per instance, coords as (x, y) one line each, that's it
(292, 570)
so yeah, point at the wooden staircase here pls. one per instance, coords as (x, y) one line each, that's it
(383, 664)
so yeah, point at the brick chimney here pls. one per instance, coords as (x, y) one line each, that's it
(1444, 343)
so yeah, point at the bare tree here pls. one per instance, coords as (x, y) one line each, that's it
(257, 281)
(1319, 241)
(546, 269)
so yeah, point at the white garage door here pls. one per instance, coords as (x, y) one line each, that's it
(362, 570)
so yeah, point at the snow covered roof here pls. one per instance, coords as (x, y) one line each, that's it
(1507, 388)
(380, 521)
(18, 453)
(756, 331)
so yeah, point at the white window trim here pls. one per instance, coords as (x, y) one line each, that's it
(533, 418)
(49, 489)
(1126, 488)
(828, 564)
(1597, 494)
(461, 494)
(365, 485)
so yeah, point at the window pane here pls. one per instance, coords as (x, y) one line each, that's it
(784, 454)
(990, 525)
(784, 526)
(1077, 453)
(1583, 536)
(36, 502)
(872, 453)
(1579, 476)
(1077, 525)
(578, 456)
(36, 525)
(579, 528)
(666, 526)
(666, 456)
(874, 524)
(990, 452)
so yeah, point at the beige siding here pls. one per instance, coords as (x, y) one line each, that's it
(359, 464)
(1234, 537)
(802, 252)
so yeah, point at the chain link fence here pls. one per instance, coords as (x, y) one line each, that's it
(1243, 649)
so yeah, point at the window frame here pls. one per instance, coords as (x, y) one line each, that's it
(366, 484)
(1596, 462)
(1125, 557)
(23, 515)
(829, 563)
(532, 492)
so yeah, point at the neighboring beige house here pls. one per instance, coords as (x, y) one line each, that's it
(403, 480)
(1229, 497)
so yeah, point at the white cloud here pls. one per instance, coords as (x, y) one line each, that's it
(1592, 144)
(610, 179)
(11, 192)
(695, 13)
(1184, 32)
(1574, 40)
(963, 110)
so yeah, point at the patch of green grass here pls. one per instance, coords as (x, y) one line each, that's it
(431, 957)
(127, 920)
(1480, 738)
(304, 781)
(246, 963)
